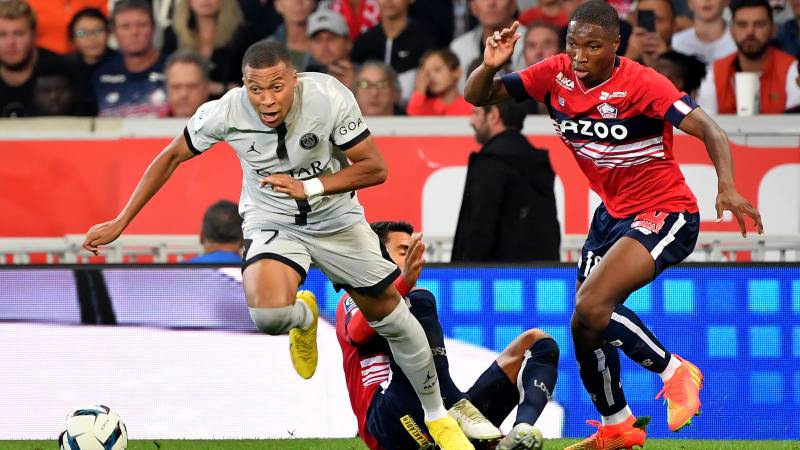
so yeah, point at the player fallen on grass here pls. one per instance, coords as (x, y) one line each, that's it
(299, 205)
(616, 117)
(388, 413)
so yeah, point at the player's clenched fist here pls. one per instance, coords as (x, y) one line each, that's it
(102, 233)
(500, 46)
(286, 184)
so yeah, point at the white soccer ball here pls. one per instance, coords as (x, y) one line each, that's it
(95, 427)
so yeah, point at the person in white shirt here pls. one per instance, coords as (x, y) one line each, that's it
(710, 38)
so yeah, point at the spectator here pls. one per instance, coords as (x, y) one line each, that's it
(262, 16)
(216, 30)
(131, 84)
(508, 212)
(752, 28)
(685, 72)
(56, 92)
(788, 38)
(377, 90)
(89, 32)
(292, 32)
(554, 12)
(360, 15)
(709, 38)
(221, 235)
(437, 17)
(20, 58)
(493, 15)
(397, 41)
(54, 17)
(436, 91)
(645, 46)
(187, 82)
(330, 46)
(539, 42)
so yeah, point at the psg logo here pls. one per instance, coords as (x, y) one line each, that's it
(309, 141)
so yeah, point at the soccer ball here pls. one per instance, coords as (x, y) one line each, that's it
(94, 428)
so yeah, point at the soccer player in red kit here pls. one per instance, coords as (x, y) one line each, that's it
(616, 118)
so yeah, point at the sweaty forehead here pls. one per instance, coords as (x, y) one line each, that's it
(580, 31)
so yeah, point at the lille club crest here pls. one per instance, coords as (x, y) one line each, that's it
(607, 111)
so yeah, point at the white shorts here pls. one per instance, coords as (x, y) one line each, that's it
(352, 258)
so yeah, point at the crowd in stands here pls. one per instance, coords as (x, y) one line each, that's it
(162, 58)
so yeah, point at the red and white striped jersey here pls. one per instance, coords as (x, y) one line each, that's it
(620, 131)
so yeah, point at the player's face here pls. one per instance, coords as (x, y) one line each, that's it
(186, 88)
(592, 50)
(271, 91)
(751, 31)
(540, 43)
(397, 245)
(16, 42)
(134, 32)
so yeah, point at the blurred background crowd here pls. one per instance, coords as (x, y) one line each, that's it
(163, 58)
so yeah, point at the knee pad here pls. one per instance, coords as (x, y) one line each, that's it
(273, 321)
(545, 351)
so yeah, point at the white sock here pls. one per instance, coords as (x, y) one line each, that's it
(412, 353)
(302, 309)
(277, 321)
(618, 417)
(672, 366)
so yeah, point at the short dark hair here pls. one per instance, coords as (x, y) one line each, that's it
(382, 229)
(189, 56)
(93, 13)
(739, 4)
(448, 56)
(690, 68)
(132, 5)
(266, 54)
(597, 12)
(512, 114)
(222, 223)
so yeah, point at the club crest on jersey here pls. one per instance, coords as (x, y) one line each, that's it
(565, 82)
(617, 94)
(607, 111)
(309, 141)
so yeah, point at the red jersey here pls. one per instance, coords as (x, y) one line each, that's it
(366, 359)
(620, 131)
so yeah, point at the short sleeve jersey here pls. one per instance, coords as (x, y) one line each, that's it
(620, 131)
(323, 121)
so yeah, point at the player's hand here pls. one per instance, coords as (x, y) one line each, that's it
(286, 184)
(500, 46)
(101, 234)
(415, 260)
(732, 201)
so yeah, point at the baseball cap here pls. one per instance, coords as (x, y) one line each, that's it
(327, 20)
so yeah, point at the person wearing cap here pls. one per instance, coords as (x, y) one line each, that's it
(330, 46)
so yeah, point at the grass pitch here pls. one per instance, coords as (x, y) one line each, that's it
(355, 444)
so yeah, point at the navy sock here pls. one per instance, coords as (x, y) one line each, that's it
(600, 373)
(423, 307)
(538, 376)
(626, 330)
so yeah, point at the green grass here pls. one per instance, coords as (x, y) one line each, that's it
(355, 444)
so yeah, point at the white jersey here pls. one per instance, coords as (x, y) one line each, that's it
(324, 118)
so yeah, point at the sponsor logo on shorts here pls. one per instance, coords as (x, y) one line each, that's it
(649, 222)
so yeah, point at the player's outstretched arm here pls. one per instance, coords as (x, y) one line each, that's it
(701, 126)
(157, 173)
(481, 88)
(367, 168)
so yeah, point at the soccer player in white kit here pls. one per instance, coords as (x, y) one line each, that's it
(299, 205)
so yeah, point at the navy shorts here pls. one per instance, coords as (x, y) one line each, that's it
(669, 237)
(396, 419)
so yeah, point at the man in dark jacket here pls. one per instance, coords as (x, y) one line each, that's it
(508, 212)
